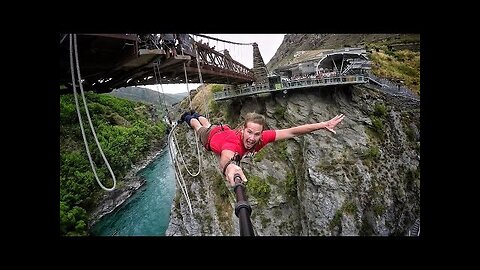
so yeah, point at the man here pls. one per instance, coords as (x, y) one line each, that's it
(232, 145)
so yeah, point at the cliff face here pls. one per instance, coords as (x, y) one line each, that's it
(364, 180)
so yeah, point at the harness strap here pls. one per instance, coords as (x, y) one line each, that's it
(235, 159)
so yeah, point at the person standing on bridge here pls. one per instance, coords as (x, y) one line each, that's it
(232, 145)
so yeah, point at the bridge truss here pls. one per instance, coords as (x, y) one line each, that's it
(110, 61)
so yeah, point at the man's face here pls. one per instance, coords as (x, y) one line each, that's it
(251, 135)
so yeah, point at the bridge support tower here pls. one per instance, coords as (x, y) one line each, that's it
(260, 71)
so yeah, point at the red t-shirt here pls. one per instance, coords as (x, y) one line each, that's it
(231, 140)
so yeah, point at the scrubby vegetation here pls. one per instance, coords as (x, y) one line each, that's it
(402, 65)
(125, 133)
(258, 188)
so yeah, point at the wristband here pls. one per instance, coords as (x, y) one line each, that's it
(226, 165)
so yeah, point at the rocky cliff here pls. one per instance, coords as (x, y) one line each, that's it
(364, 180)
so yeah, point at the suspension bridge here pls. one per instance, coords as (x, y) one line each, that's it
(110, 61)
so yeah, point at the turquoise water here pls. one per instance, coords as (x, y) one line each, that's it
(147, 212)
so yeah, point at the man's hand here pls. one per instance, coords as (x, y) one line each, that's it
(330, 124)
(233, 169)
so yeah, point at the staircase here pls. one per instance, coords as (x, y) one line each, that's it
(415, 230)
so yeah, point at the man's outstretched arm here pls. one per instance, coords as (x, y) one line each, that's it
(288, 133)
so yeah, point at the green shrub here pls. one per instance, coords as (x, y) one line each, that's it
(72, 221)
(373, 153)
(68, 112)
(377, 124)
(260, 154)
(350, 207)
(217, 88)
(336, 221)
(279, 112)
(380, 110)
(259, 189)
(410, 134)
(291, 185)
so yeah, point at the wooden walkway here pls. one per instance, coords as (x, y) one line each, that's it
(297, 84)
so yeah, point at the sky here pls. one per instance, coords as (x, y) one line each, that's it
(267, 44)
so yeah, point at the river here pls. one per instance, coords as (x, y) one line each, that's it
(147, 212)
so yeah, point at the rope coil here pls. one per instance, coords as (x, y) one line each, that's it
(88, 115)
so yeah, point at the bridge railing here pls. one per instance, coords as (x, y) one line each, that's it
(286, 85)
(210, 57)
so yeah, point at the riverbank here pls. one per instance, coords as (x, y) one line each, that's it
(126, 188)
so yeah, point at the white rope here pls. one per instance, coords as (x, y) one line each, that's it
(196, 138)
(205, 103)
(181, 155)
(178, 176)
(188, 90)
(88, 115)
(156, 68)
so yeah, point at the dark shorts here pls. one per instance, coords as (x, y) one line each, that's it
(203, 135)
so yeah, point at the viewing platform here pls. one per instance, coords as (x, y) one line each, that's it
(290, 85)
